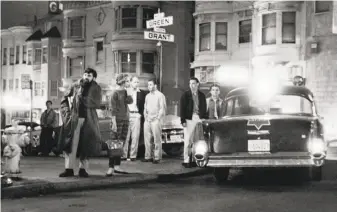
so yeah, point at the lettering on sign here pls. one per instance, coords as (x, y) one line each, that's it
(161, 30)
(158, 36)
(159, 22)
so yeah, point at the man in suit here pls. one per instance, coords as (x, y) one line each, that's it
(136, 120)
(192, 111)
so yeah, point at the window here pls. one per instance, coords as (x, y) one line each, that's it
(148, 63)
(4, 84)
(75, 67)
(245, 28)
(129, 17)
(129, 61)
(99, 51)
(43, 87)
(269, 29)
(148, 14)
(17, 55)
(37, 89)
(54, 53)
(53, 88)
(30, 57)
(322, 6)
(38, 56)
(45, 55)
(11, 56)
(288, 27)
(76, 29)
(4, 57)
(205, 37)
(16, 84)
(11, 84)
(221, 36)
(117, 20)
(24, 54)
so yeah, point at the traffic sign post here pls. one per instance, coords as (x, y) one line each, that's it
(160, 35)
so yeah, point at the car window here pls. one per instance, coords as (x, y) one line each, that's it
(280, 104)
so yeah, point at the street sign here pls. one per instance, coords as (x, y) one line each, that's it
(161, 30)
(166, 21)
(158, 36)
(159, 15)
(25, 81)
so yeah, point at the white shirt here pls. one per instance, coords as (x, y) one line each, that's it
(155, 106)
(133, 107)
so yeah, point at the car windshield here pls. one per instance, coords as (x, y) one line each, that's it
(279, 104)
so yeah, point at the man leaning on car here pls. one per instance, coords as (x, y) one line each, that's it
(192, 110)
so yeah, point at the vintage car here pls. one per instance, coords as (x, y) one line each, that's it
(260, 131)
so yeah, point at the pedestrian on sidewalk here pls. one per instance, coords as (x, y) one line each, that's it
(192, 111)
(154, 113)
(48, 122)
(136, 120)
(85, 133)
(215, 105)
(120, 119)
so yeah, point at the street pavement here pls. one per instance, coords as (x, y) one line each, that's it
(253, 193)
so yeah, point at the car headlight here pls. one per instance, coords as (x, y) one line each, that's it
(200, 147)
(317, 145)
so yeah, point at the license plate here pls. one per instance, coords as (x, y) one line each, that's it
(262, 145)
(175, 138)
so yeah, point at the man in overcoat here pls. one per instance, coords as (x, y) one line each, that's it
(84, 133)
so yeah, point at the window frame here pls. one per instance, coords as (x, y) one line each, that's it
(322, 11)
(4, 56)
(97, 59)
(17, 54)
(44, 55)
(154, 64)
(70, 19)
(244, 35)
(144, 19)
(30, 56)
(205, 36)
(263, 41)
(288, 24)
(126, 18)
(221, 34)
(11, 56)
(24, 54)
(70, 66)
(37, 56)
(121, 61)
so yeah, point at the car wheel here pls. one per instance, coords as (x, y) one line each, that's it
(173, 150)
(220, 175)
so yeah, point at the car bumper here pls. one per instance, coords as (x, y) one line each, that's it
(281, 159)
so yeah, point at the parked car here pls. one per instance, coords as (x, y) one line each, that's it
(280, 130)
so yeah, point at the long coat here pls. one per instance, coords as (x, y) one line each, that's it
(90, 137)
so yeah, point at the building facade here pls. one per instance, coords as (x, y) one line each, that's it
(109, 37)
(30, 53)
(289, 38)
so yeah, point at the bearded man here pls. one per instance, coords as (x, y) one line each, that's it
(84, 135)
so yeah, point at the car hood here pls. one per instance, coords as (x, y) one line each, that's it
(172, 121)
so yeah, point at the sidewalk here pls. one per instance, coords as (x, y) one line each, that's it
(40, 175)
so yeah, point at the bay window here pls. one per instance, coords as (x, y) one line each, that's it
(11, 56)
(129, 62)
(45, 55)
(245, 28)
(204, 37)
(30, 57)
(24, 53)
(17, 55)
(76, 27)
(269, 29)
(221, 36)
(288, 27)
(129, 17)
(4, 56)
(148, 62)
(38, 57)
(148, 14)
(75, 66)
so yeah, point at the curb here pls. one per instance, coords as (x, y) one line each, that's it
(45, 188)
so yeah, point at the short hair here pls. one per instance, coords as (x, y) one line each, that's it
(91, 71)
(195, 79)
(133, 77)
(121, 78)
(214, 85)
(153, 80)
(48, 101)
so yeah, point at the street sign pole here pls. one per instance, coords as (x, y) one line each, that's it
(31, 109)
(160, 65)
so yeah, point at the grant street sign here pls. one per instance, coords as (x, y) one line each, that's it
(166, 21)
(158, 36)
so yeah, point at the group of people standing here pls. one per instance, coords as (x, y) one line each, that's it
(134, 113)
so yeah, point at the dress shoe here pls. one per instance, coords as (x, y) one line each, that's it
(67, 173)
(83, 173)
(133, 159)
(123, 159)
(147, 160)
(156, 161)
